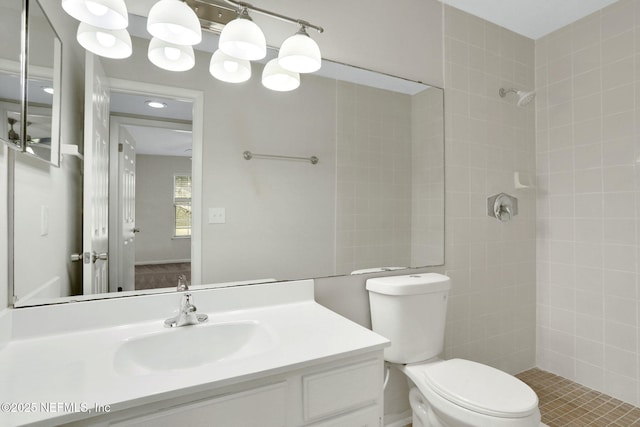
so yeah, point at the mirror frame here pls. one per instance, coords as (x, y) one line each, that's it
(24, 71)
(20, 68)
(42, 72)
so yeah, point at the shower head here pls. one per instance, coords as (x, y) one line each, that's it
(523, 97)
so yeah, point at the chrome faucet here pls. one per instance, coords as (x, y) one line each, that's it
(183, 285)
(187, 314)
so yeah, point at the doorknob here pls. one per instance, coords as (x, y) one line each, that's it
(136, 230)
(95, 256)
(89, 257)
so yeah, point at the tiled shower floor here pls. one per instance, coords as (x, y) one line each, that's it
(564, 403)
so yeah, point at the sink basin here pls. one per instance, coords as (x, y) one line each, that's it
(192, 346)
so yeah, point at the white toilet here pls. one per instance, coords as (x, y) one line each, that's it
(410, 311)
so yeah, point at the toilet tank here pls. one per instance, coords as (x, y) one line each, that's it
(410, 311)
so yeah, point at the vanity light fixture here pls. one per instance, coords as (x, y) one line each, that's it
(243, 39)
(101, 41)
(300, 53)
(169, 56)
(229, 69)
(156, 104)
(176, 25)
(175, 22)
(276, 78)
(109, 14)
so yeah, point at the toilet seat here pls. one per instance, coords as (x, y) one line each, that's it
(476, 387)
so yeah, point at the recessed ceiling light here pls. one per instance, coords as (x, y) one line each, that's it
(156, 104)
(49, 90)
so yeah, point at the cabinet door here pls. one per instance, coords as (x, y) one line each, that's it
(260, 407)
(367, 417)
(341, 390)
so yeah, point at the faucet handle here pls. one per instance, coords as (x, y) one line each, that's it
(186, 314)
(183, 285)
(187, 306)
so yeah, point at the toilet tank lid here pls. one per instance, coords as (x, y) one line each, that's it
(413, 284)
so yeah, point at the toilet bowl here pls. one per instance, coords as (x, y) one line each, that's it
(462, 393)
(410, 311)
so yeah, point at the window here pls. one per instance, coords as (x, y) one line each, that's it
(182, 205)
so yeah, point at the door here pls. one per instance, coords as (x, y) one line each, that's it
(127, 209)
(95, 235)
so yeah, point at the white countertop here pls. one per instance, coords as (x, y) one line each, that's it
(76, 367)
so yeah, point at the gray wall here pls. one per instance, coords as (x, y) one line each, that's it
(154, 209)
(38, 258)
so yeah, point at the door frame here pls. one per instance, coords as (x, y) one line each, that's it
(196, 97)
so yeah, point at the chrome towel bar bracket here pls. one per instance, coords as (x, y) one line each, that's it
(248, 155)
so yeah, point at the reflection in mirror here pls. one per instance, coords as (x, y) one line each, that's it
(150, 238)
(10, 79)
(43, 87)
(374, 200)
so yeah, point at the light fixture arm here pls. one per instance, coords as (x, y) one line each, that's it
(243, 6)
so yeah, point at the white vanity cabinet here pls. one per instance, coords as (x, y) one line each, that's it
(262, 406)
(291, 363)
(343, 393)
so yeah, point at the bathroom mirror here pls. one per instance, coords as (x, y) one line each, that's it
(374, 199)
(11, 76)
(44, 68)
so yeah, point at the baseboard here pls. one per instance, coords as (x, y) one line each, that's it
(166, 261)
(399, 420)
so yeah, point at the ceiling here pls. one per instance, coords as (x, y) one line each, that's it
(530, 18)
(152, 140)
(160, 141)
(127, 104)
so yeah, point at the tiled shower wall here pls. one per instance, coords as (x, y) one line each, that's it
(587, 149)
(389, 178)
(373, 178)
(491, 316)
(427, 178)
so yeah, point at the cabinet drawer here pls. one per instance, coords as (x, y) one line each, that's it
(328, 393)
(260, 407)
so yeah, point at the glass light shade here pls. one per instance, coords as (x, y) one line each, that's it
(109, 14)
(108, 43)
(169, 56)
(174, 22)
(243, 39)
(275, 77)
(300, 53)
(229, 69)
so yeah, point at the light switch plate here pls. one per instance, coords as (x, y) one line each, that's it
(217, 216)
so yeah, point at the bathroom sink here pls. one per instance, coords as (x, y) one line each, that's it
(192, 346)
